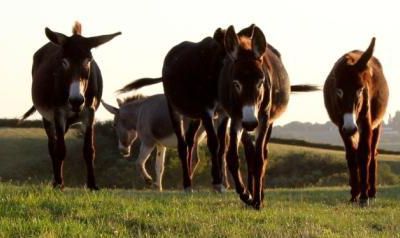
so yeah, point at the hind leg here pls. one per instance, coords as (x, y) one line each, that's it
(182, 147)
(191, 142)
(160, 159)
(144, 153)
(51, 144)
(373, 167)
(351, 148)
(213, 147)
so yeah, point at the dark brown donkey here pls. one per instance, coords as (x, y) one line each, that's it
(190, 79)
(254, 90)
(356, 95)
(66, 89)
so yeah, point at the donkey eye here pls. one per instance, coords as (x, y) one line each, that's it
(339, 92)
(237, 85)
(65, 63)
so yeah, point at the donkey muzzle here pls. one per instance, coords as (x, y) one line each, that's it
(249, 120)
(349, 127)
(76, 103)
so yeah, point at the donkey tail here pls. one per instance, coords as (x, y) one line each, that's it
(27, 114)
(138, 84)
(304, 88)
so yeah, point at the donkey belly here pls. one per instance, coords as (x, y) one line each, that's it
(170, 141)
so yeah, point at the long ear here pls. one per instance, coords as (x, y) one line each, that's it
(248, 31)
(231, 42)
(110, 108)
(95, 41)
(362, 63)
(219, 36)
(258, 42)
(55, 37)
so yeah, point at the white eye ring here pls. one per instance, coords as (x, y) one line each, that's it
(65, 63)
(237, 85)
(339, 92)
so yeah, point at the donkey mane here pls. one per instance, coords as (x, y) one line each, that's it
(77, 29)
(132, 98)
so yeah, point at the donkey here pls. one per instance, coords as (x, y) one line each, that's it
(254, 91)
(67, 88)
(356, 96)
(190, 76)
(147, 118)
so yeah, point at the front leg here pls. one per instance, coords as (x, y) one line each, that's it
(60, 149)
(233, 162)
(364, 159)
(260, 162)
(88, 148)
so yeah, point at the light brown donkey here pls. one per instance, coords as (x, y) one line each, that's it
(356, 96)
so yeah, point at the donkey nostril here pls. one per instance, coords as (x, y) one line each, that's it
(76, 102)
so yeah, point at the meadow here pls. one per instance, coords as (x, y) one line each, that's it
(40, 211)
(306, 195)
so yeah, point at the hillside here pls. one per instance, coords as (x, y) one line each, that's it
(24, 159)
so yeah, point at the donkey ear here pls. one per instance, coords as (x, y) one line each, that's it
(55, 37)
(95, 41)
(110, 108)
(362, 63)
(119, 102)
(219, 35)
(231, 42)
(248, 31)
(258, 42)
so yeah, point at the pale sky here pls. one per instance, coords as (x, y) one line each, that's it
(311, 36)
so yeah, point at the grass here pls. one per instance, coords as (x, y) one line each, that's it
(40, 211)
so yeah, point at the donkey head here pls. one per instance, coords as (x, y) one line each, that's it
(75, 60)
(247, 74)
(351, 87)
(126, 136)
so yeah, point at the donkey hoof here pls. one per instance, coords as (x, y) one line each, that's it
(93, 188)
(188, 190)
(59, 186)
(364, 202)
(148, 181)
(257, 205)
(246, 198)
(155, 186)
(219, 188)
(353, 200)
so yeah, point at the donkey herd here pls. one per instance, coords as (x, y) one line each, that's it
(231, 87)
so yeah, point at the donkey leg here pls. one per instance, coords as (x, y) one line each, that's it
(160, 159)
(222, 149)
(182, 147)
(233, 163)
(373, 167)
(250, 154)
(52, 142)
(60, 149)
(260, 163)
(213, 147)
(364, 159)
(190, 141)
(144, 153)
(88, 148)
(351, 148)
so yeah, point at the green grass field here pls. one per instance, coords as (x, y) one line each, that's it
(40, 211)
(29, 207)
